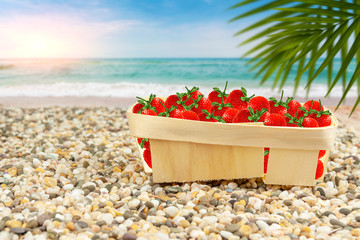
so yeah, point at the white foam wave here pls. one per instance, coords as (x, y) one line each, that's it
(127, 89)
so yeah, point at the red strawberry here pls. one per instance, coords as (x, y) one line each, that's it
(275, 120)
(190, 115)
(262, 118)
(242, 116)
(217, 95)
(156, 102)
(177, 113)
(309, 123)
(279, 107)
(293, 106)
(258, 103)
(172, 101)
(202, 117)
(319, 169)
(149, 112)
(147, 157)
(137, 107)
(238, 99)
(321, 153)
(229, 114)
(202, 104)
(191, 96)
(144, 142)
(217, 111)
(311, 104)
(323, 120)
(266, 158)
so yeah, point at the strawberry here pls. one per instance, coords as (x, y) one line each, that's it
(138, 107)
(177, 113)
(144, 142)
(319, 169)
(209, 117)
(275, 120)
(309, 122)
(293, 107)
(191, 95)
(172, 100)
(238, 99)
(321, 153)
(313, 105)
(262, 118)
(202, 104)
(248, 115)
(217, 95)
(149, 112)
(279, 107)
(190, 115)
(147, 157)
(204, 117)
(323, 120)
(242, 116)
(229, 114)
(158, 103)
(322, 117)
(217, 111)
(266, 158)
(258, 103)
(147, 103)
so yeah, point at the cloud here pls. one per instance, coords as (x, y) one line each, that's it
(55, 35)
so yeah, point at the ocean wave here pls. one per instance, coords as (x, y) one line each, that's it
(128, 89)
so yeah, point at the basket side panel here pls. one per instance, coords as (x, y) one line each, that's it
(175, 161)
(291, 167)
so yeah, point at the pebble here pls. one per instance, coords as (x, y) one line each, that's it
(76, 173)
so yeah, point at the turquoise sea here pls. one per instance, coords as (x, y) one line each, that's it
(138, 77)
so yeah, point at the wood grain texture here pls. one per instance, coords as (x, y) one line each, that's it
(175, 161)
(234, 134)
(292, 167)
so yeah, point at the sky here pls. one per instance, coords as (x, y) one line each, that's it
(119, 28)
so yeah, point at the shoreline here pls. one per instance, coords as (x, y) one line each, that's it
(125, 102)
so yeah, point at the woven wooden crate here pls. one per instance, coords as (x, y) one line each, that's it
(186, 150)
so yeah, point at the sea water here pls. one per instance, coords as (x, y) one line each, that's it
(140, 77)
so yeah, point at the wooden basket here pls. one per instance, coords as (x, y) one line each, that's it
(187, 150)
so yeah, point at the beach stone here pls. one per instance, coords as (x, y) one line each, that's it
(232, 228)
(82, 224)
(336, 222)
(50, 182)
(42, 218)
(171, 211)
(226, 234)
(18, 230)
(287, 202)
(357, 218)
(345, 211)
(32, 224)
(128, 236)
(245, 230)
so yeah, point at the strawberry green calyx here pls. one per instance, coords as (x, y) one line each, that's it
(311, 111)
(321, 112)
(222, 94)
(255, 116)
(143, 142)
(167, 110)
(266, 152)
(280, 102)
(245, 97)
(211, 115)
(295, 120)
(195, 103)
(181, 101)
(146, 103)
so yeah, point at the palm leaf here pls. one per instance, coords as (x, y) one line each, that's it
(301, 29)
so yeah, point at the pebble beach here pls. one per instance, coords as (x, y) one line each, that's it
(73, 173)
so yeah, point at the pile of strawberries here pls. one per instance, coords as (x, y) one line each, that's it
(235, 107)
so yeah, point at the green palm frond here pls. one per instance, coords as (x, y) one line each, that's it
(299, 34)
